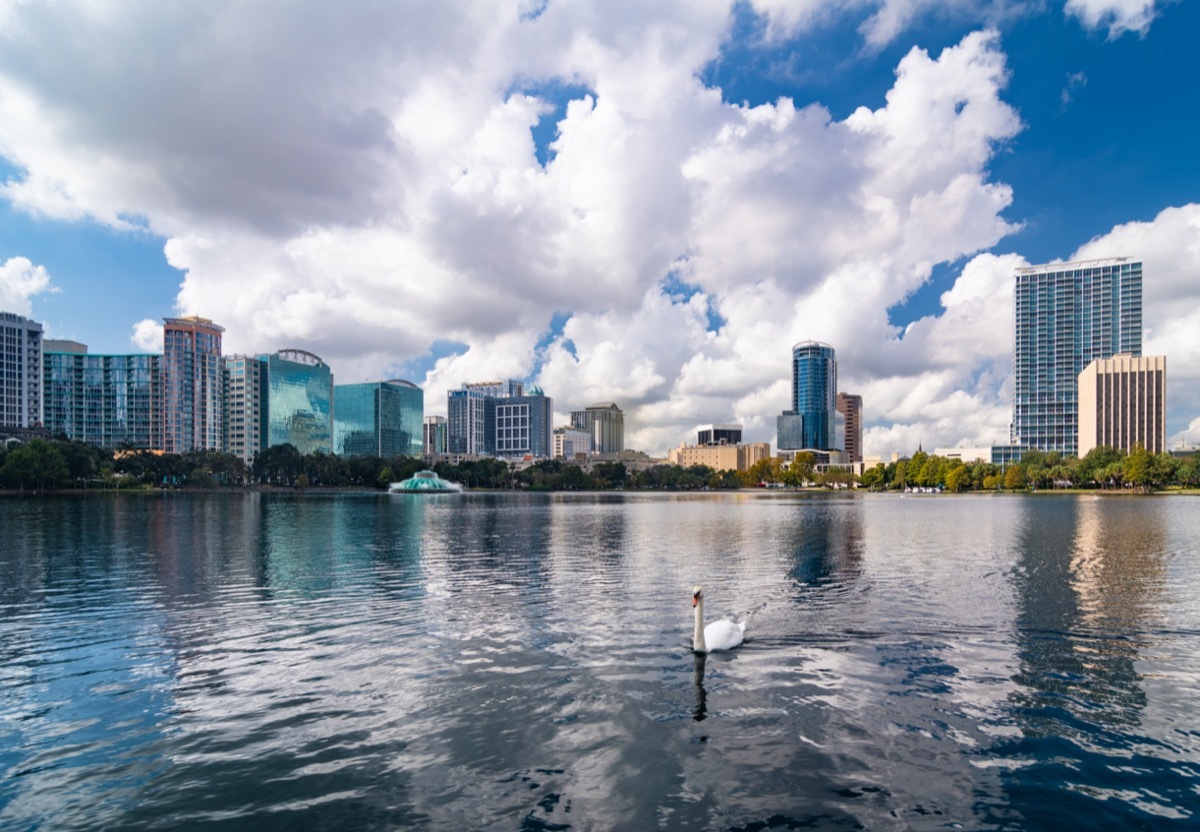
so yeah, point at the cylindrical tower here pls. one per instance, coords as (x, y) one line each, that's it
(814, 393)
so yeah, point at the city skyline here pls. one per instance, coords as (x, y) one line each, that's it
(645, 207)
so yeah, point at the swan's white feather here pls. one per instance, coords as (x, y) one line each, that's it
(724, 634)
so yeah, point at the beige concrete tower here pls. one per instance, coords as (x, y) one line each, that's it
(1123, 401)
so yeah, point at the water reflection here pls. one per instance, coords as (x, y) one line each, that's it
(1089, 581)
(701, 710)
(494, 660)
(828, 542)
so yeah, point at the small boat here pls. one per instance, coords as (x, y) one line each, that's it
(425, 482)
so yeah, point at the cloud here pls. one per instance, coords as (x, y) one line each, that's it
(148, 335)
(20, 280)
(1118, 16)
(1075, 82)
(364, 184)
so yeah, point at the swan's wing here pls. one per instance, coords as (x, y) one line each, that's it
(724, 634)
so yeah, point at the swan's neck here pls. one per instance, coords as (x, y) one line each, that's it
(698, 635)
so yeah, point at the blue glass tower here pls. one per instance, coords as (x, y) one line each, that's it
(1067, 315)
(299, 401)
(814, 394)
(383, 419)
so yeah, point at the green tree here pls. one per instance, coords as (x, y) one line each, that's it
(36, 464)
(1091, 469)
(1014, 478)
(1139, 468)
(958, 478)
(873, 477)
(279, 464)
(385, 477)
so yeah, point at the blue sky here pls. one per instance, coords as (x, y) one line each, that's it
(560, 197)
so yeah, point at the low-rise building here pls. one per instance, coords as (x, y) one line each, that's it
(720, 457)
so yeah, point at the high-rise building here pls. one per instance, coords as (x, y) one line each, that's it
(570, 443)
(20, 372)
(523, 425)
(193, 385)
(466, 421)
(605, 423)
(850, 406)
(498, 418)
(383, 419)
(1068, 315)
(110, 401)
(299, 401)
(435, 435)
(814, 394)
(245, 406)
(720, 435)
(789, 431)
(1123, 402)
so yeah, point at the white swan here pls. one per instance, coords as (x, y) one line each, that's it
(719, 635)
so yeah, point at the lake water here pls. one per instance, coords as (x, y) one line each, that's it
(497, 661)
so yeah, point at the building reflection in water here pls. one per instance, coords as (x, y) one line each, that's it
(1088, 583)
(1089, 588)
(827, 542)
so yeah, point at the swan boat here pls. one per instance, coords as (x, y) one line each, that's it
(425, 482)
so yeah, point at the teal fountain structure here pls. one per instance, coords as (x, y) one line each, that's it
(425, 482)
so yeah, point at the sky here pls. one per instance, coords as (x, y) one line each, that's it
(641, 202)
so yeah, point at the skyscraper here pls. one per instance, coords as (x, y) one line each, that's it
(850, 406)
(1067, 315)
(246, 406)
(20, 372)
(383, 419)
(814, 394)
(466, 421)
(1123, 402)
(605, 423)
(299, 401)
(523, 425)
(193, 385)
(498, 418)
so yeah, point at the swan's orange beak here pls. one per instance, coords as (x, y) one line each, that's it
(695, 600)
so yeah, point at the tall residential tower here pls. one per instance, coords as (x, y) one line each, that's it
(193, 377)
(1068, 315)
(20, 372)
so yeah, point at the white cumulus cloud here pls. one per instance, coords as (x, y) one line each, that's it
(20, 280)
(1118, 16)
(148, 335)
(363, 182)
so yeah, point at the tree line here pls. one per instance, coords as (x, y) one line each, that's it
(1101, 468)
(40, 465)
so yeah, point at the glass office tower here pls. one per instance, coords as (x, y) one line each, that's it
(1067, 315)
(384, 419)
(299, 401)
(814, 394)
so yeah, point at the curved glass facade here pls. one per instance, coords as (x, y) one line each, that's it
(299, 402)
(384, 419)
(814, 393)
